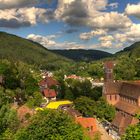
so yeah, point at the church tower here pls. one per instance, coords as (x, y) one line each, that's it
(108, 71)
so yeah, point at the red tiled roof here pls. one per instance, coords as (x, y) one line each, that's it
(49, 93)
(122, 122)
(87, 123)
(130, 90)
(73, 77)
(49, 81)
(112, 88)
(127, 107)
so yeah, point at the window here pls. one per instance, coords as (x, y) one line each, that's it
(115, 97)
(108, 70)
(110, 97)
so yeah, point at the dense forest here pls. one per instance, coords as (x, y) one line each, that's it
(15, 48)
(82, 55)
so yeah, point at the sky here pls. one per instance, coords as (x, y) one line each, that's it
(108, 25)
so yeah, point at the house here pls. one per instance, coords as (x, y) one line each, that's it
(45, 74)
(88, 123)
(75, 77)
(59, 104)
(48, 82)
(49, 94)
(125, 97)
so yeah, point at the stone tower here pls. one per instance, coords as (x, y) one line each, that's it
(108, 71)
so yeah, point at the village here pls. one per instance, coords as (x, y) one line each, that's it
(123, 95)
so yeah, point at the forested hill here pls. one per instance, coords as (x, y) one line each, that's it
(82, 55)
(131, 51)
(16, 48)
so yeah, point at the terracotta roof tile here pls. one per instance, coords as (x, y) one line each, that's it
(112, 87)
(122, 122)
(49, 93)
(49, 81)
(130, 90)
(127, 107)
(87, 123)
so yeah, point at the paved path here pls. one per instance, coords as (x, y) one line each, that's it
(104, 134)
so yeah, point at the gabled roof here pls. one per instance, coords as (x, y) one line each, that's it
(49, 93)
(49, 81)
(57, 104)
(122, 122)
(131, 90)
(112, 87)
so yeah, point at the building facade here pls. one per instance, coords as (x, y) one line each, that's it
(125, 96)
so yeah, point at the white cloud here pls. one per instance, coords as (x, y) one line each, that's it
(6, 4)
(78, 12)
(111, 21)
(133, 9)
(131, 35)
(43, 40)
(15, 18)
(113, 29)
(90, 13)
(106, 38)
(91, 34)
(107, 44)
(51, 44)
(106, 41)
(119, 39)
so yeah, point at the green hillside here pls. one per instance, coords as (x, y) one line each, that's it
(83, 55)
(128, 63)
(131, 51)
(15, 48)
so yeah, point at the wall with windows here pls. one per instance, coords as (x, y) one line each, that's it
(112, 98)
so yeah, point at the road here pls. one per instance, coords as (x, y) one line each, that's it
(104, 134)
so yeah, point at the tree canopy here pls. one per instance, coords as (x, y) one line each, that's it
(90, 108)
(51, 125)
